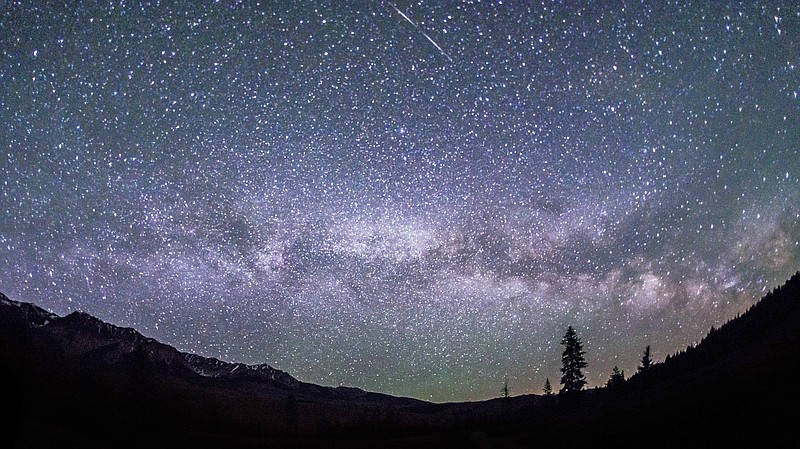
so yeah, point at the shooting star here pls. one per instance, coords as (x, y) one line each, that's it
(408, 19)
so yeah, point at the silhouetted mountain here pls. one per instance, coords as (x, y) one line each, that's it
(81, 342)
(76, 371)
(78, 380)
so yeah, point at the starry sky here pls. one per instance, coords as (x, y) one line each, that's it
(415, 198)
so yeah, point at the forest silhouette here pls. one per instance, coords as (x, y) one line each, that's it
(76, 380)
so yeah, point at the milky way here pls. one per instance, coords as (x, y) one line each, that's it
(416, 203)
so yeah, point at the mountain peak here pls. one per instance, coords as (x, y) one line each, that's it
(85, 321)
(91, 340)
(32, 315)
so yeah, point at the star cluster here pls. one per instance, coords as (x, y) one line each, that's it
(416, 197)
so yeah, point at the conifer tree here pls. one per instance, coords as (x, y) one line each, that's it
(572, 362)
(647, 361)
(548, 389)
(617, 378)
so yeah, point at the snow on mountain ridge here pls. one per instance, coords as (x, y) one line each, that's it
(90, 340)
(212, 367)
(34, 315)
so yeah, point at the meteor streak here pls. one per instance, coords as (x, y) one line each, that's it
(408, 19)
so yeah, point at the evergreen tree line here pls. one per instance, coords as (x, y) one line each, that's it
(776, 306)
(573, 362)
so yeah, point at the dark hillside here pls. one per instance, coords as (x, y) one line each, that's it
(734, 388)
(76, 380)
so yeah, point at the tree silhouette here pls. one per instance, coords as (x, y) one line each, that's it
(617, 378)
(572, 362)
(505, 388)
(548, 389)
(647, 361)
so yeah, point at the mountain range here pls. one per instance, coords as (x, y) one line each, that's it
(76, 381)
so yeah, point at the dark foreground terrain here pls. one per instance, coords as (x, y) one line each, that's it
(76, 381)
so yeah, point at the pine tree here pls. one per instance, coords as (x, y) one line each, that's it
(548, 389)
(505, 388)
(572, 362)
(617, 378)
(647, 361)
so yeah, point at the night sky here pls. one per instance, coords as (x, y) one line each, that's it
(415, 198)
